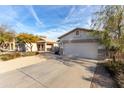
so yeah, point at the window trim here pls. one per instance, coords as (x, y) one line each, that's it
(77, 33)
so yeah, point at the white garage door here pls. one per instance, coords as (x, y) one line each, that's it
(86, 50)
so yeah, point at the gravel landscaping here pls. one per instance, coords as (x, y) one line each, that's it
(102, 79)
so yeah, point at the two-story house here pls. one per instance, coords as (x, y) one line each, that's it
(79, 43)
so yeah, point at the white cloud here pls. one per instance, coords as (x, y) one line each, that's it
(11, 17)
(75, 15)
(7, 15)
(34, 14)
(52, 34)
(55, 32)
(88, 23)
(19, 27)
(70, 14)
(71, 21)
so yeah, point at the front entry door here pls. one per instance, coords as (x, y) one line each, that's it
(40, 47)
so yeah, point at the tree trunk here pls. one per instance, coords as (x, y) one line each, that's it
(31, 46)
(114, 58)
(107, 53)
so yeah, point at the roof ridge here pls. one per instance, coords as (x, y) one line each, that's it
(82, 29)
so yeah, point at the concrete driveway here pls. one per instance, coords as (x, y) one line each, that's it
(53, 72)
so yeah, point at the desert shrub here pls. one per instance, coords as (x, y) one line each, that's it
(116, 69)
(6, 57)
(16, 54)
(114, 66)
(36, 53)
(13, 55)
(29, 54)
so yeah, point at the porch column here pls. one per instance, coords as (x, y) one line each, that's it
(45, 46)
(14, 46)
(9, 46)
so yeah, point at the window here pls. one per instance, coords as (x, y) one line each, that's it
(77, 33)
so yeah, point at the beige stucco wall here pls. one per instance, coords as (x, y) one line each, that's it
(49, 47)
(34, 48)
(55, 44)
(73, 36)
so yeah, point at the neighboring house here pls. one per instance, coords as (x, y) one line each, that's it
(80, 43)
(9, 46)
(43, 45)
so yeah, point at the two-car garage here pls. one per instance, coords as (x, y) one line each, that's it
(85, 50)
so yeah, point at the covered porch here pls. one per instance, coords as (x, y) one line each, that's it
(41, 46)
(44, 46)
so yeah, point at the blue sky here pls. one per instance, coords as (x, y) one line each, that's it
(51, 21)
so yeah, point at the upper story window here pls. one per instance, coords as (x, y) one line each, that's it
(77, 33)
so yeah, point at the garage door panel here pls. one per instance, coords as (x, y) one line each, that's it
(86, 50)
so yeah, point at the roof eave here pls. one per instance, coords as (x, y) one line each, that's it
(73, 31)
